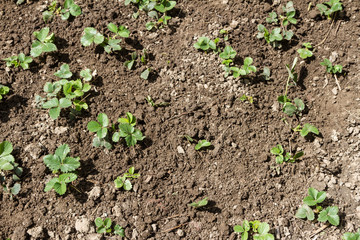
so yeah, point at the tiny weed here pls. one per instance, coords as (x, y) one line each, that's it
(202, 144)
(259, 229)
(313, 199)
(330, 68)
(281, 156)
(124, 182)
(104, 226)
(225, 34)
(43, 42)
(306, 129)
(204, 43)
(3, 91)
(244, 98)
(20, 60)
(330, 8)
(156, 105)
(351, 236)
(200, 203)
(305, 52)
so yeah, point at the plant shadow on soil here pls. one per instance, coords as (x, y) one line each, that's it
(210, 207)
(11, 102)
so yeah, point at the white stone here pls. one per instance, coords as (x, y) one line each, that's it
(35, 232)
(180, 150)
(82, 225)
(95, 193)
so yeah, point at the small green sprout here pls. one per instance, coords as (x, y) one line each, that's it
(272, 18)
(204, 43)
(290, 14)
(202, 144)
(351, 236)
(20, 60)
(281, 156)
(314, 198)
(6, 159)
(244, 98)
(200, 203)
(91, 35)
(291, 108)
(43, 42)
(103, 226)
(225, 33)
(260, 230)
(118, 230)
(330, 68)
(246, 69)
(55, 105)
(52, 10)
(130, 63)
(70, 8)
(60, 161)
(156, 105)
(330, 8)
(99, 127)
(3, 91)
(228, 53)
(306, 129)
(305, 52)
(131, 135)
(124, 182)
(145, 74)
(59, 183)
(130, 119)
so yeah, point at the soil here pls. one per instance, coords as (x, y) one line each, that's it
(238, 174)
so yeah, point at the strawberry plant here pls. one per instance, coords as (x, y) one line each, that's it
(330, 8)
(69, 8)
(289, 14)
(281, 156)
(259, 230)
(104, 226)
(246, 69)
(204, 43)
(124, 182)
(306, 129)
(110, 44)
(3, 91)
(199, 204)
(291, 108)
(313, 199)
(305, 52)
(351, 236)
(100, 127)
(131, 135)
(71, 94)
(228, 55)
(272, 18)
(61, 163)
(20, 60)
(7, 163)
(330, 68)
(43, 42)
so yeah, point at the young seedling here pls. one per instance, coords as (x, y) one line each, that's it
(202, 144)
(351, 236)
(225, 33)
(91, 35)
(124, 182)
(204, 43)
(103, 226)
(246, 69)
(292, 76)
(290, 14)
(228, 55)
(153, 8)
(313, 199)
(7, 163)
(244, 98)
(130, 63)
(43, 42)
(60, 162)
(291, 108)
(52, 10)
(259, 229)
(145, 74)
(272, 18)
(156, 105)
(3, 91)
(336, 69)
(20, 60)
(131, 135)
(69, 8)
(330, 8)
(130, 119)
(200, 203)
(281, 156)
(118, 230)
(306, 129)
(305, 52)
(100, 127)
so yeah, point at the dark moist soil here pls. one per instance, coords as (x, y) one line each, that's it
(238, 175)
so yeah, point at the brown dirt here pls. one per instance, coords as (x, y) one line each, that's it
(236, 175)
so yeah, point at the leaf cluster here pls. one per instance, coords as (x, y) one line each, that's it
(204, 43)
(281, 156)
(20, 60)
(260, 230)
(305, 52)
(244, 98)
(351, 236)
(290, 13)
(69, 8)
(313, 199)
(330, 68)
(291, 108)
(330, 8)
(43, 42)
(124, 182)
(104, 226)
(110, 44)
(245, 69)
(3, 91)
(60, 162)
(275, 36)
(65, 92)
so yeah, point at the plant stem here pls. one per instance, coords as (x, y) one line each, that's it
(337, 82)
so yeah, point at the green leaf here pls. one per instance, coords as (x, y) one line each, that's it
(15, 189)
(307, 129)
(99, 222)
(64, 103)
(330, 214)
(60, 188)
(86, 74)
(103, 119)
(202, 144)
(93, 126)
(145, 74)
(50, 184)
(91, 35)
(278, 150)
(102, 132)
(314, 197)
(42, 34)
(64, 71)
(123, 31)
(54, 112)
(289, 109)
(299, 104)
(75, 10)
(51, 103)
(238, 229)
(127, 185)
(107, 223)
(119, 231)
(305, 212)
(263, 228)
(119, 182)
(62, 151)
(200, 203)
(70, 164)
(5, 148)
(67, 177)
(112, 27)
(53, 162)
